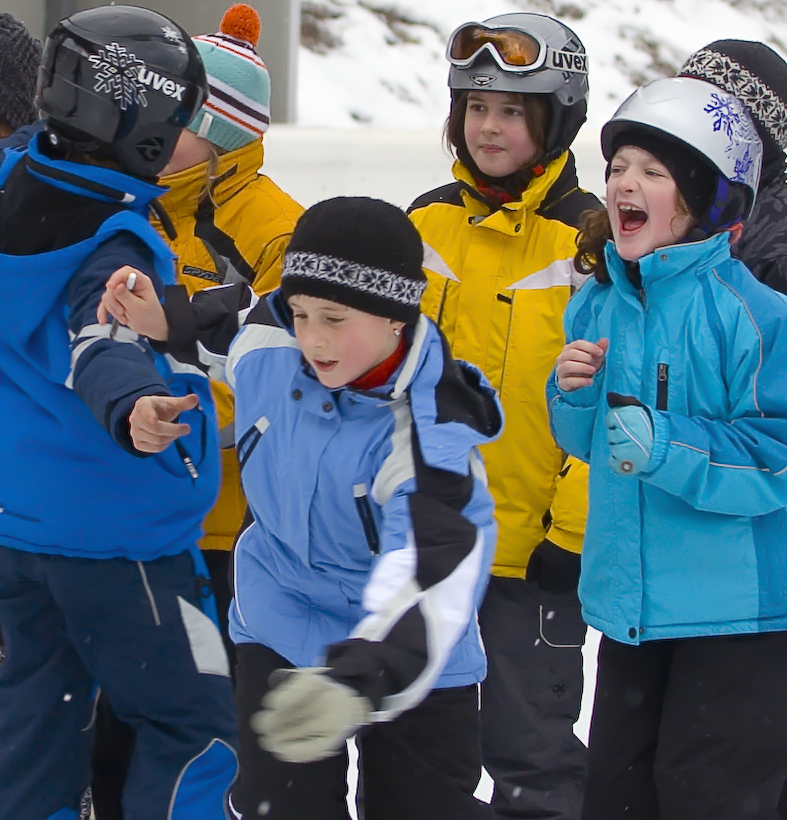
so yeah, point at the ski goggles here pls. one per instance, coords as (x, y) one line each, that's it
(511, 48)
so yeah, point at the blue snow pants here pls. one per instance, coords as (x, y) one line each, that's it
(136, 630)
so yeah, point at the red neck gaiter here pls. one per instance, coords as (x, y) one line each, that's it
(379, 375)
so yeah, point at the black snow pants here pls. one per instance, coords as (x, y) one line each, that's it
(689, 729)
(425, 765)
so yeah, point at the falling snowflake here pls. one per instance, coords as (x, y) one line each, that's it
(117, 73)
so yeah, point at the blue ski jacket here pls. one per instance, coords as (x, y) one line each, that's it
(697, 544)
(373, 529)
(67, 388)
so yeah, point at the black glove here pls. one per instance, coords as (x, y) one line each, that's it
(553, 568)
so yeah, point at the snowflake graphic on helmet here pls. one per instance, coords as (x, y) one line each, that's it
(117, 73)
(726, 115)
(171, 34)
(731, 118)
(743, 165)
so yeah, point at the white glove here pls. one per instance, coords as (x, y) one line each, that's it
(308, 716)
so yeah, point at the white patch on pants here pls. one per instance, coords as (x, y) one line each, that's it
(207, 648)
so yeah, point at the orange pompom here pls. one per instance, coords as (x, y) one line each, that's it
(241, 22)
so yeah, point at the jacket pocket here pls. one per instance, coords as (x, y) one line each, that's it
(20, 516)
(186, 454)
(561, 627)
(361, 494)
(250, 439)
(662, 385)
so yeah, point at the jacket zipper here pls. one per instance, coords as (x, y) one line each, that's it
(662, 386)
(508, 337)
(439, 317)
(20, 516)
(367, 520)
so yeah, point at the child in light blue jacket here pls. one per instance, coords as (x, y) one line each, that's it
(673, 385)
(371, 528)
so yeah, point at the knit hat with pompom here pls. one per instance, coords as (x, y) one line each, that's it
(237, 110)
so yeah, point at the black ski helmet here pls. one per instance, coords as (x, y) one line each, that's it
(553, 64)
(124, 80)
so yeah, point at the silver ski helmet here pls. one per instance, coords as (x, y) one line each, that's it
(710, 123)
(123, 80)
(525, 53)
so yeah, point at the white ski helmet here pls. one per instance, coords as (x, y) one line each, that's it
(712, 124)
(524, 53)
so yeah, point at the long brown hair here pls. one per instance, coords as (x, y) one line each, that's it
(537, 118)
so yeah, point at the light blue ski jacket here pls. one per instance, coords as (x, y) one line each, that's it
(697, 544)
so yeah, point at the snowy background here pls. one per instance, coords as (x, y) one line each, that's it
(372, 94)
(381, 63)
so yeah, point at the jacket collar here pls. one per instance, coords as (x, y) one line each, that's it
(234, 170)
(508, 218)
(670, 262)
(92, 181)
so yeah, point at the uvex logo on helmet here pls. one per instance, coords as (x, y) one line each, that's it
(160, 83)
(127, 78)
(570, 61)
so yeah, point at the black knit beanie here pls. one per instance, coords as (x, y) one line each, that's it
(20, 58)
(695, 179)
(359, 252)
(757, 76)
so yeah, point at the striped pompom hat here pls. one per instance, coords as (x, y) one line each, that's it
(237, 110)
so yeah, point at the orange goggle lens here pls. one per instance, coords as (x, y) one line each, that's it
(516, 48)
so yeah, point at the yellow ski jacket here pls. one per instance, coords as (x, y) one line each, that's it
(240, 235)
(499, 281)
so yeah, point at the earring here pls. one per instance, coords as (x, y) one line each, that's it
(397, 331)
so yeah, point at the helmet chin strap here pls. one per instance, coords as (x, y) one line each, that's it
(67, 144)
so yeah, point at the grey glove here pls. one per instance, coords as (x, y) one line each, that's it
(308, 715)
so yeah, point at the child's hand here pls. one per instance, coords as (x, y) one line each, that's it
(578, 362)
(152, 423)
(139, 309)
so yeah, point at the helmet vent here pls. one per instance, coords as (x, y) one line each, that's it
(150, 149)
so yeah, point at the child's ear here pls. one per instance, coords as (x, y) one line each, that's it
(735, 232)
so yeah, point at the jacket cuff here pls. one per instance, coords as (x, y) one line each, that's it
(584, 396)
(182, 340)
(661, 440)
(565, 539)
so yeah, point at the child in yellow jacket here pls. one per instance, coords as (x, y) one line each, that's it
(500, 242)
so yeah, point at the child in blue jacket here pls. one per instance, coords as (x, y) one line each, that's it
(101, 583)
(672, 386)
(371, 529)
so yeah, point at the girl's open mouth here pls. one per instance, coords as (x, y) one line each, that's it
(631, 219)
